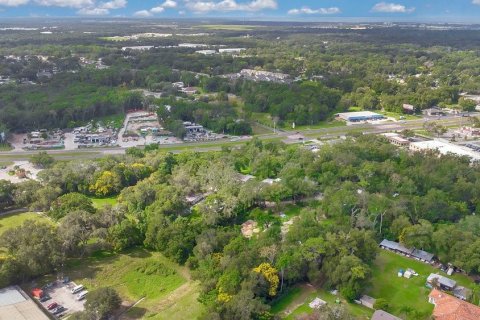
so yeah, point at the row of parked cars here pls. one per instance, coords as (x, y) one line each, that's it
(473, 147)
(80, 292)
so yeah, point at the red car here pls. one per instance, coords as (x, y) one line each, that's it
(52, 305)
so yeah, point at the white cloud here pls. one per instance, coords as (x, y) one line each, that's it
(392, 8)
(169, 4)
(66, 3)
(143, 14)
(307, 10)
(230, 5)
(157, 10)
(13, 3)
(114, 4)
(93, 12)
(477, 2)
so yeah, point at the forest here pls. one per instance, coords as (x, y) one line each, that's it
(336, 70)
(353, 194)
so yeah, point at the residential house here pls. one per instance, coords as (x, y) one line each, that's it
(448, 307)
(444, 282)
(411, 253)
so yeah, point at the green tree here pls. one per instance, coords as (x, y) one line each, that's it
(103, 302)
(70, 202)
(42, 160)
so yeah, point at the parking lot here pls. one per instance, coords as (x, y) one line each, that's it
(60, 294)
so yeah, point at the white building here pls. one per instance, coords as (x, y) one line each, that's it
(138, 48)
(231, 50)
(206, 52)
(444, 148)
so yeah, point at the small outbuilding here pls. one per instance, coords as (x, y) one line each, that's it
(317, 303)
(367, 301)
(383, 315)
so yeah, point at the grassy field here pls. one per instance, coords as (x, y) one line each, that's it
(398, 115)
(14, 220)
(402, 292)
(101, 202)
(165, 286)
(295, 303)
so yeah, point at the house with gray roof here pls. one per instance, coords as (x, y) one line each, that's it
(412, 253)
(383, 315)
(444, 282)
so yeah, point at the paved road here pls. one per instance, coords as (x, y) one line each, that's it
(216, 145)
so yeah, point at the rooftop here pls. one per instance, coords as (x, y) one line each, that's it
(16, 305)
(442, 280)
(445, 148)
(383, 315)
(451, 308)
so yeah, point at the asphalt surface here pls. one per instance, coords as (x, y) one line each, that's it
(281, 135)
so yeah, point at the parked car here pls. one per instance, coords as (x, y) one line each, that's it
(82, 295)
(58, 309)
(77, 289)
(52, 305)
(44, 298)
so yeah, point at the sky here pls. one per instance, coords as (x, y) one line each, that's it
(467, 11)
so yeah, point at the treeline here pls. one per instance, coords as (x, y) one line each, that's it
(219, 115)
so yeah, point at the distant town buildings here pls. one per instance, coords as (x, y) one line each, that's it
(258, 75)
(206, 52)
(137, 48)
(231, 50)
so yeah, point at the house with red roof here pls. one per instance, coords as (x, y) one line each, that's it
(448, 307)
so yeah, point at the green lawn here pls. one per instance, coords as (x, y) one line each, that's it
(402, 292)
(166, 286)
(398, 115)
(14, 220)
(321, 125)
(290, 300)
(101, 202)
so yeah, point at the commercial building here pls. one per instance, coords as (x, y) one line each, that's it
(231, 50)
(206, 52)
(444, 148)
(15, 304)
(396, 139)
(360, 116)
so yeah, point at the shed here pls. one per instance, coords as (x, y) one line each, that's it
(462, 293)
(367, 301)
(383, 315)
(317, 303)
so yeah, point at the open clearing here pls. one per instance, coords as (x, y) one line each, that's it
(402, 293)
(17, 219)
(166, 287)
(295, 303)
(101, 202)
